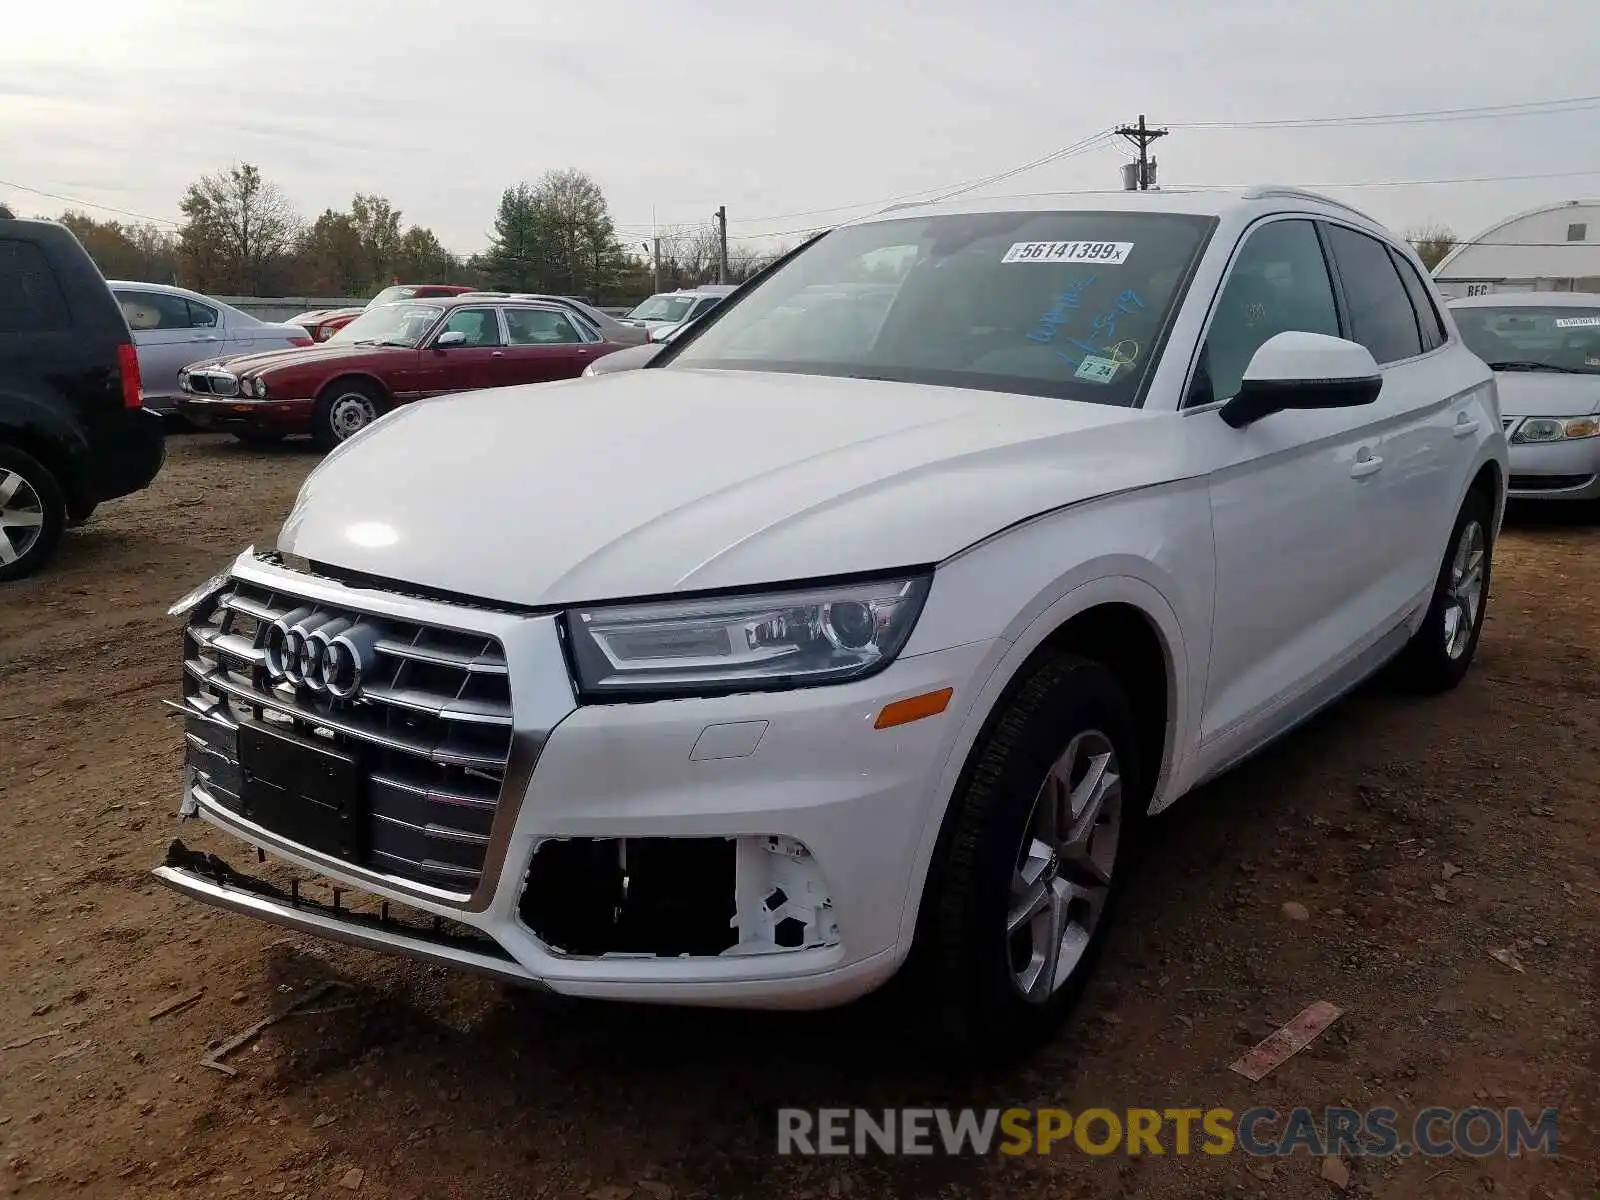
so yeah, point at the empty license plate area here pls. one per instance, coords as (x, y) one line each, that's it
(308, 793)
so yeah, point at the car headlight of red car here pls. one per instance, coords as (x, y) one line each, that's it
(256, 387)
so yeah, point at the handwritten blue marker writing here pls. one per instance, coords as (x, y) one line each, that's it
(1061, 312)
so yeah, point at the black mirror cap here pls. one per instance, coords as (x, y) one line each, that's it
(1259, 398)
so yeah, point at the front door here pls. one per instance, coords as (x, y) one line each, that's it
(1295, 511)
(479, 362)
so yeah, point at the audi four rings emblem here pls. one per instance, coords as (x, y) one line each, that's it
(326, 652)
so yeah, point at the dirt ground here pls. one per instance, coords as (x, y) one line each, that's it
(1420, 836)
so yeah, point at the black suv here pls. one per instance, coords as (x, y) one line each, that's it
(73, 429)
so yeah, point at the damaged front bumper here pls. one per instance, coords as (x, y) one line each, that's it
(753, 851)
(207, 877)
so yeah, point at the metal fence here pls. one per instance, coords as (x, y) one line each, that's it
(281, 308)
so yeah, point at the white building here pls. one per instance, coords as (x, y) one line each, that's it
(1550, 249)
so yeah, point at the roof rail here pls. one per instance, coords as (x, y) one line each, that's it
(1268, 191)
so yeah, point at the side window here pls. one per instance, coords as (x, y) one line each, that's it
(1428, 320)
(540, 327)
(202, 316)
(31, 300)
(1278, 284)
(706, 304)
(1381, 317)
(152, 311)
(480, 325)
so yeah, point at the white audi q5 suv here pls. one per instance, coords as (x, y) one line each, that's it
(863, 627)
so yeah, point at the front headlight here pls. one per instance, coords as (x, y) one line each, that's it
(1556, 429)
(258, 388)
(754, 642)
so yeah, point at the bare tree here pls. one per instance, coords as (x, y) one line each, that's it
(1432, 243)
(238, 230)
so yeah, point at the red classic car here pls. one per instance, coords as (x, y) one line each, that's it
(385, 357)
(323, 323)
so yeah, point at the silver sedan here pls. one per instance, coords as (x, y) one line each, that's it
(173, 327)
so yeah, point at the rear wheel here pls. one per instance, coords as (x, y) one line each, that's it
(1438, 655)
(1037, 858)
(343, 410)
(32, 514)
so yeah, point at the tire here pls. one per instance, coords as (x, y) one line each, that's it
(259, 441)
(32, 514)
(975, 977)
(345, 408)
(1438, 655)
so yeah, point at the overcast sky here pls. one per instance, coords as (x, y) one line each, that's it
(780, 110)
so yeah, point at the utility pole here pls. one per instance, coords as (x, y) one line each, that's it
(653, 249)
(1141, 136)
(722, 244)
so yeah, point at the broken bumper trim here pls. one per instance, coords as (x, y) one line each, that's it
(258, 899)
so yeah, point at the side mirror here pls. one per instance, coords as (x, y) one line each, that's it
(1304, 370)
(454, 338)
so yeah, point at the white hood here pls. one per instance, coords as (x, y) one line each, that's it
(649, 482)
(1547, 394)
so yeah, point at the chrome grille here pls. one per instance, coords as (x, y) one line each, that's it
(430, 726)
(206, 383)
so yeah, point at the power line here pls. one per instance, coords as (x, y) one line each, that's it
(1384, 183)
(945, 191)
(1532, 108)
(22, 187)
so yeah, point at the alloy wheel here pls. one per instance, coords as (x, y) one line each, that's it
(1464, 592)
(1063, 872)
(21, 516)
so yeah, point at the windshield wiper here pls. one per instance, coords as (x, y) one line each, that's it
(1529, 365)
(392, 342)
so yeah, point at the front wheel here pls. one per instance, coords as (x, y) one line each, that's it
(1037, 856)
(32, 514)
(1438, 655)
(344, 410)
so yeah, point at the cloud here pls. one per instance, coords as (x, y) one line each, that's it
(775, 110)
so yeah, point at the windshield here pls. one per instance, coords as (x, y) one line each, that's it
(662, 308)
(390, 294)
(1564, 339)
(390, 325)
(1065, 304)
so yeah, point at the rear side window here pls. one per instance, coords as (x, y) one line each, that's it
(1428, 320)
(150, 311)
(31, 299)
(1381, 317)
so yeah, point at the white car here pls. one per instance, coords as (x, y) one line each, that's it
(751, 678)
(1544, 348)
(173, 327)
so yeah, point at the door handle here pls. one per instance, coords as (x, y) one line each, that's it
(1363, 467)
(498, 354)
(1465, 425)
(205, 337)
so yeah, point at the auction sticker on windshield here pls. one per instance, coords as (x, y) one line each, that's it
(1566, 322)
(1099, 370)
(1054, 252)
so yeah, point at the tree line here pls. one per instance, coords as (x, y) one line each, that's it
(242, 236)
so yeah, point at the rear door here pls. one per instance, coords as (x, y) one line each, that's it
(545, 344)
(1431, 411)
(170, 334)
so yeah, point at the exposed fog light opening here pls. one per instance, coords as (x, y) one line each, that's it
(665, 897)
(782, 901)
